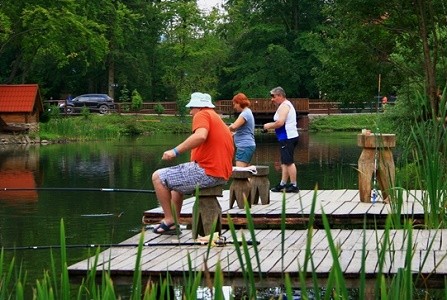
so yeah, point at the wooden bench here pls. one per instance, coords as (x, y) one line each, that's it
(207, 211)
(240, 188)
(260, 186)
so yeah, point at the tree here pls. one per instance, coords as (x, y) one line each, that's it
(402, 40)
(266, 47)
(190, 50)
(137, 101)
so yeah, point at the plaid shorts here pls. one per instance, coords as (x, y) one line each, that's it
(184, 178)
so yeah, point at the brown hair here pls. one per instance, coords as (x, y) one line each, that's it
(242, 100)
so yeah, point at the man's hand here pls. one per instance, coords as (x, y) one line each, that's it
(168, 155)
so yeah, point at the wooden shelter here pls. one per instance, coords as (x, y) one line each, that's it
(20, 107)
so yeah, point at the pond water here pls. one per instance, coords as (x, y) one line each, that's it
(32, 217)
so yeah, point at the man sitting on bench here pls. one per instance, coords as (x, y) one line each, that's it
(212, 150)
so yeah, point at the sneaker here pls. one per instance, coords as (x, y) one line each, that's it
(292, 189)
(279, 188)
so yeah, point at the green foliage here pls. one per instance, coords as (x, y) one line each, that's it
(124, 94)
(348, 122)
(85, 113)
(430, 152)
(137, 101)
(181, 105)
(110, 126)
(49, 112)
(159, 109)
(407, 111)
(5, 25)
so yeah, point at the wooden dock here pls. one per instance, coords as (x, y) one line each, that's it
(286, 253)
(428, 262)
(343, 207)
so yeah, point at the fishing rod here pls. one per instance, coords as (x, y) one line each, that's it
(2, 189)
(218, 243)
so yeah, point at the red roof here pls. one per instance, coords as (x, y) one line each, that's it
(18, 98)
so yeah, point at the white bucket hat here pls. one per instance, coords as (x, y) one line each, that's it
(200, 100)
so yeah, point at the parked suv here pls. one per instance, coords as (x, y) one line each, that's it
(101, 103)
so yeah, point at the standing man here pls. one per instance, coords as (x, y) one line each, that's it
(287, 134)
(212, 150)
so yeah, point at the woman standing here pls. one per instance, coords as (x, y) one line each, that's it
(244, 131)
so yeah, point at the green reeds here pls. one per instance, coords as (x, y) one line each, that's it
(402, 285)
(429, 152)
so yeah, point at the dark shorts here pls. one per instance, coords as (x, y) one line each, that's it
(245, 154)
(184, 178)
(287, 150)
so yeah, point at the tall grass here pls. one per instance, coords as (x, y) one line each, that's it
(106, 127)
(55, 283)
(425, 161)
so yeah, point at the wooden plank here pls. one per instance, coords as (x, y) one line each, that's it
(345, 258)
(355, 238)
(355, 264)
(339, 205)
(323, 261)
(427, 261)
(273, 263)
(441, 261)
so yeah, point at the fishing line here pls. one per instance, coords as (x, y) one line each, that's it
(74, 189)
(374, 191)
(221, 242)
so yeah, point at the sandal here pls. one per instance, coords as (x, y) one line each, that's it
(163, 228)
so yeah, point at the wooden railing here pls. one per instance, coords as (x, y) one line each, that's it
(259, 106)
(262, 105)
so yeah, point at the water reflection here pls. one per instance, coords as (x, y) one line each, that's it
(18, 166)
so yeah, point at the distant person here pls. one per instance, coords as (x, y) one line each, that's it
(384, 101)
(212, 150)
(244, 131)
(287, 133)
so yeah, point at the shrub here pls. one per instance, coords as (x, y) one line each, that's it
(137, 101)
(159, 109)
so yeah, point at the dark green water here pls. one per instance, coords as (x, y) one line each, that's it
(92, 217)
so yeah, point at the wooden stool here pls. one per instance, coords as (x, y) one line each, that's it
(380, 145)
(260, 185)
(240, 188)
(207, 211)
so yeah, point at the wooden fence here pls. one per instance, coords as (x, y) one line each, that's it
(259, 106)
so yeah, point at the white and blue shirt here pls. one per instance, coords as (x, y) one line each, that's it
(288, 130)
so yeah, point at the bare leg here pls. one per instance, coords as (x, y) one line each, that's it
(284, 173)
(288, 172)
(241, 164)
(164, 197)
(177, 201)
(291, 170)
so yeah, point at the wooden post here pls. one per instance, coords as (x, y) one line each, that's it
(240, 188)
(260, 186)
(376, 146)
(207, 211)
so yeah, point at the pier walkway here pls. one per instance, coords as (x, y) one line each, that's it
(343, 207)
(428, 260)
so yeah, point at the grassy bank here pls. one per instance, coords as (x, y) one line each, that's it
(346, 122)
(97, 127)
